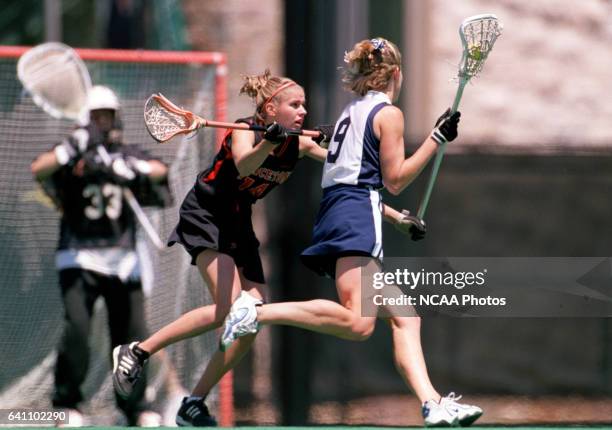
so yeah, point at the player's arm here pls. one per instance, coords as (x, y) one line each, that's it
(45, 165)
(391, 215)
(159, 171)
(155, 170)
(398, 171)
(316, 148)
(405, 223)
(310, 148)
(65, 153)
(246, 156)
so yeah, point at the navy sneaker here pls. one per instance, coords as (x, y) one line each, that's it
(194, 413)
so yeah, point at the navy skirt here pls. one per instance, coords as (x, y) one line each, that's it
(349, 222)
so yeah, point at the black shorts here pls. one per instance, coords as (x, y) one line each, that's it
(224, 225)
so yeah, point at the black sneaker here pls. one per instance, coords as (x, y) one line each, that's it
(128, 361)
(194, 413)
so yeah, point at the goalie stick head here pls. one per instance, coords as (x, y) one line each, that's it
(57, 79)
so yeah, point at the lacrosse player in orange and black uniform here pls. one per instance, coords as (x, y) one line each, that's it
(96, 253)
(216, 230)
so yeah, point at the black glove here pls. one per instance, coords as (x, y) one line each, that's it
(276, 133)
(412, 226)
(326, 133)
(446, 127)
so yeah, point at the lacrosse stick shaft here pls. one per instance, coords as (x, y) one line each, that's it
(134, 205)
(142, 218)
(164, 120)
(439, 155)
(459, 94)
(253, 127)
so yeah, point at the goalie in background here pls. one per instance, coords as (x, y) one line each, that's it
(96, 253)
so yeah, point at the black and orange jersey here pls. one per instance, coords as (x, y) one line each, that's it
(222, 178)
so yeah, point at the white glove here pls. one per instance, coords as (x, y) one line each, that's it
(122, 170)
(72, 147)
(141, 166)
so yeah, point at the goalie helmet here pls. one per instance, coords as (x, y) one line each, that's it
(100, 97)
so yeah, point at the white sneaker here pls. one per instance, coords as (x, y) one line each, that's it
(466, 414)
(149, 419)
(439, 414)
(241, 320)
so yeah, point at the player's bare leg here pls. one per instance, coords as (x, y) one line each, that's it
(325, 316)
(408, 356)
(213, 267)
(220, 274)
(222, 362)
(193, 323)
(224, 281)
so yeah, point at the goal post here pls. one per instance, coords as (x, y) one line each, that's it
(31, 312)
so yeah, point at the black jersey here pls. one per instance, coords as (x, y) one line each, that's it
(94, 212)
(222, 179)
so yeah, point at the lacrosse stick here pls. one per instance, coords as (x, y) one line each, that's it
(164, 120)
(57, 79)
(59, 82)
(478, 35)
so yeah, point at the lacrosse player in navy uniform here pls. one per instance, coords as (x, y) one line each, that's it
(85, 176)
(215, 228)
(366, 154)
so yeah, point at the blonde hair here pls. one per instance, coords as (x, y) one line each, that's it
(263, 89)
(370, 65)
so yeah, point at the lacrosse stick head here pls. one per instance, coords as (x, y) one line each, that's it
(164, 119)
(57, 79)
(478, 35)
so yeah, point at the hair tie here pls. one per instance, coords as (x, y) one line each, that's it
(379, 44)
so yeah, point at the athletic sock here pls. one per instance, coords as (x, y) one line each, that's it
(140, 353)
(196, 399)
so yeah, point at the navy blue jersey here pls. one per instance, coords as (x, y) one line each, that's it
(354, 151)
(222, 178)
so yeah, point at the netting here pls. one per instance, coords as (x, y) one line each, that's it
(478, 35)
(31, 311)
(164, 120)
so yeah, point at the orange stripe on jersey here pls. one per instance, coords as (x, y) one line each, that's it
(219, 162)
(280, 150)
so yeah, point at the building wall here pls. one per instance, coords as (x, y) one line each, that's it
(249, 32)
(546, 82)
